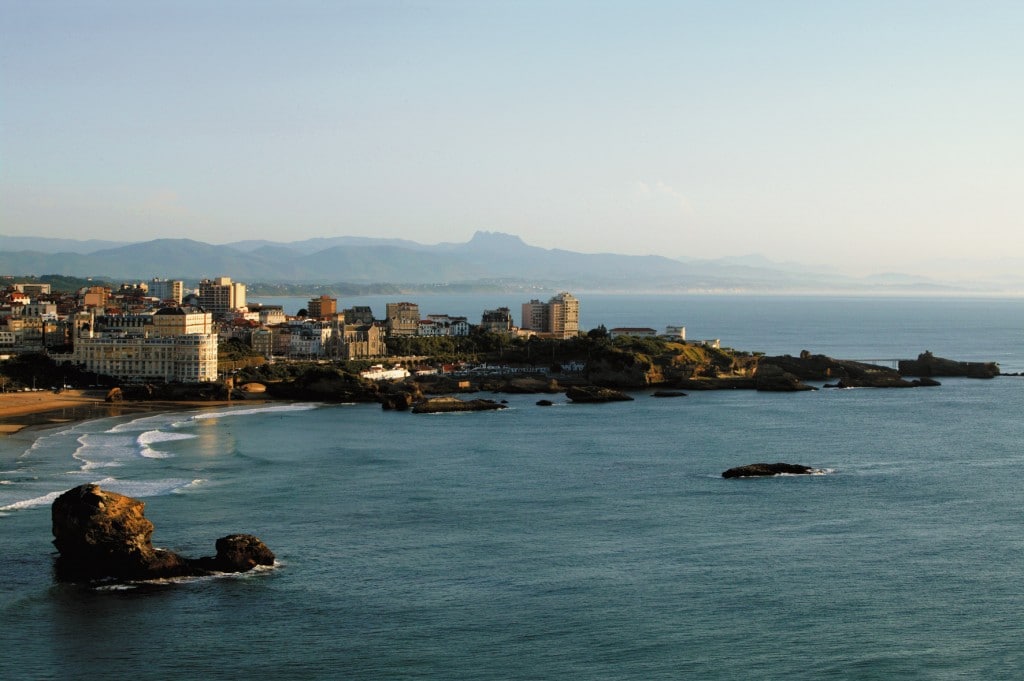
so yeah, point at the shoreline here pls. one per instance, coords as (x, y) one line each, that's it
(19, 411)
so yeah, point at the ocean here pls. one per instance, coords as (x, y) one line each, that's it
(573, 541)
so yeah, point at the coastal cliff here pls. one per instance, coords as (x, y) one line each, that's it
(699, 368)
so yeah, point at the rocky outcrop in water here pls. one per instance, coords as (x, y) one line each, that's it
(927, 365)
(103, 534)
(847, 373)
(767, 469)
(441, 405)
(590, 394)
(773, 378)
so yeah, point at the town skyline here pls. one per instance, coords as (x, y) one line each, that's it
(876, 136)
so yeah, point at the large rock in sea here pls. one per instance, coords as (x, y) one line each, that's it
(102, 534)
(766, 469)
(594, 394)
(440, 405)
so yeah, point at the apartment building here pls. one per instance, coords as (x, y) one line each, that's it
(323, 307)
(564, 316)
(559, 317)
(167, 290)
(219, 296)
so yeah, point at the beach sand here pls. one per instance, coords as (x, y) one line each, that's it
(24, 409)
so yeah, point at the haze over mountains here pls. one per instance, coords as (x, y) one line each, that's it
(488, 257)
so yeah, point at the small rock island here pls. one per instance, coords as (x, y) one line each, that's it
(105, 535)
(768, 469)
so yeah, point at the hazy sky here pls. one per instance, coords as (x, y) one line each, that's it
(816, 131)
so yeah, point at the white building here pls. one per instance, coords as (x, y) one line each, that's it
(310, 339)
(443, 325)
(378, 373)
(676, 333)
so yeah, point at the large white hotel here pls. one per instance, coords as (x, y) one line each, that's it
(171, 344)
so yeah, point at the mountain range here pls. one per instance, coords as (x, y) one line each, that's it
(488, 257)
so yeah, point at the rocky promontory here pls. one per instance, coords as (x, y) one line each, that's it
(105, 535)
(927, 365)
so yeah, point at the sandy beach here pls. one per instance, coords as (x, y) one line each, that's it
(23, 409)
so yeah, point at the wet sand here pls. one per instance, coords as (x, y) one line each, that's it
(41, 408)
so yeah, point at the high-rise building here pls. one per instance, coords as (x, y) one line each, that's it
(564, 315)
(536, 316)
(167, 290)
(221, 295)
(323, 307)
(559, 317)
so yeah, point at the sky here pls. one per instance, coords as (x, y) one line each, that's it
(862, 135)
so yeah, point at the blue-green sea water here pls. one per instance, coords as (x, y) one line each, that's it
(573, 541)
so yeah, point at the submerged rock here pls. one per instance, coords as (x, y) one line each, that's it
(103, 534)
(668, 393)
(766, 469)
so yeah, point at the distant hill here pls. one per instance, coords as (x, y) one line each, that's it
(487, 257)
(47, 245)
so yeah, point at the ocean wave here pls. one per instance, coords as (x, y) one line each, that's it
(276, 409)
(151, 437)
(146, 423)
(146, 488)
(131, 488)
(104, 450)
(35, 502)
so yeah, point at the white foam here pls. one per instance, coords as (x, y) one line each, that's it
(154, 436)
(144, 423)
(151, 437)
(44, 500)
(104, 450)
(257, 571)
(283, 408)
(146, 488)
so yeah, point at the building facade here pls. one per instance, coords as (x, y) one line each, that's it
(403, 319)
(221, 295)
(559, 317)
(498, 321)
(170, 348)
(165, 290)
(323, 307)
